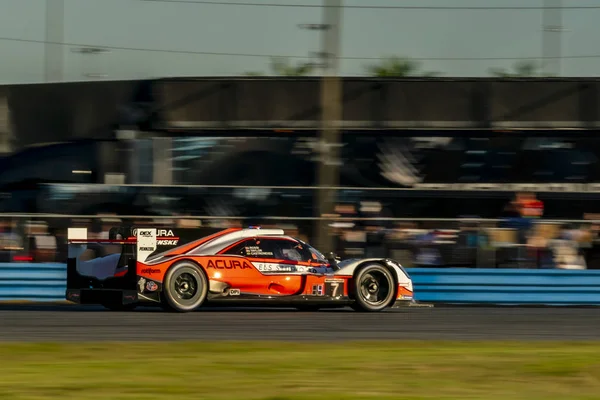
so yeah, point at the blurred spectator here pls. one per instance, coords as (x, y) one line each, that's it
(592, 250)
(11, 243)
(520, 240)
(566, 249)
(520, 212)
(510, 211)
(529, 205)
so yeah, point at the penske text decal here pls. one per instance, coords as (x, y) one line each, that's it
(164, 237)
(167, 242)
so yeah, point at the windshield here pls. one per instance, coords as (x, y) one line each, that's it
(315, 254)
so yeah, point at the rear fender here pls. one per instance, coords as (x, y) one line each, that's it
(157, 294)
(214, 286)
(188, 260)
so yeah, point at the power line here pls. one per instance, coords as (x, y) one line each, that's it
(468, 8)
(143, 49)
(214, 53)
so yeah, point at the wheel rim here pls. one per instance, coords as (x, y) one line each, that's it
(186, 288)
(375, 288)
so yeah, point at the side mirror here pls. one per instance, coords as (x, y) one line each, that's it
(332, 259)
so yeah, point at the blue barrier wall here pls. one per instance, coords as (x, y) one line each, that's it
(33, 282)
(46, 282)
(506, 286)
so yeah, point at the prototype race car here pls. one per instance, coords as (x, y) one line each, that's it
(236, 266)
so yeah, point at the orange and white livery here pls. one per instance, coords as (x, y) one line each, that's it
(250, 266)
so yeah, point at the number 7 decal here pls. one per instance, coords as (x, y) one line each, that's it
(334, 288)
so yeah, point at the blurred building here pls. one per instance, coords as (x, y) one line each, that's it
(416, 149)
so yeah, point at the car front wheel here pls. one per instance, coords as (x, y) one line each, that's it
(374, 288)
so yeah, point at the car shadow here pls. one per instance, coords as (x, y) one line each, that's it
(69, 307)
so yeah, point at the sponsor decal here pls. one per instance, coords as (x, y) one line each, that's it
(164, 237)
(167, 242)
(141, 284)
(164, 232)
(150, 271)
(257, 251)
(151, 286)
(146, 249)
(275, 267)
(146, 232)
(73, 295)
(317, 290)
(228, 264)
(234, 292)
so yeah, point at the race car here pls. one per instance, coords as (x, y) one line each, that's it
(238, 266)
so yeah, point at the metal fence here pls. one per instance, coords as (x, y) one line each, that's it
(466, 242)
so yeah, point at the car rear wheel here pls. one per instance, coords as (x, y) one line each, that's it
(374, 288)
(185, 287)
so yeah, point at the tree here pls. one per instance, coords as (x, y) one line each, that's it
(282, 66)
(397, 66)
(520, 69)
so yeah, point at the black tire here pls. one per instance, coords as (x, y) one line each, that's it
(185, 287)
(374, 288)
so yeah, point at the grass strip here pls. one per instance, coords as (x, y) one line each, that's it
(282, 371)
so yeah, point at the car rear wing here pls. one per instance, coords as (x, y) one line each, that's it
(137, 243)
(96, 273)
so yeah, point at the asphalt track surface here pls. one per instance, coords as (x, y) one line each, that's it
(81, 323)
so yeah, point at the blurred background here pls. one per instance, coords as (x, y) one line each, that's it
(439, 133)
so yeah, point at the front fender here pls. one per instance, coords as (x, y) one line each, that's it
(348, 267)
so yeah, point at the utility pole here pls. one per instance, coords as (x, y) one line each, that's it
(53, 50)
(551, 36)
(331, 114)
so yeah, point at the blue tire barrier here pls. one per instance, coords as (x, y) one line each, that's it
(506, 286)
(47, 282)
(33, 281)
